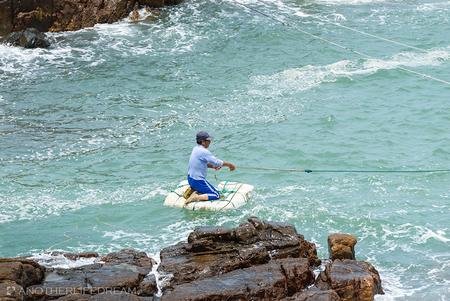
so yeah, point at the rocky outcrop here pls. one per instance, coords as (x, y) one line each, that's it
(271, 281)
(314, 294)
(16, 275)
(6, 17)
(258, 260)
(28, 38)
(63, 15)
(123, 271)
(213, 251)
(341, 246)
(352, 280)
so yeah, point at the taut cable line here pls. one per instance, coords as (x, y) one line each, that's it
(364, 55)
(270, 169)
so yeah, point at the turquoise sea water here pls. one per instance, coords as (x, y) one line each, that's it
(97, 129)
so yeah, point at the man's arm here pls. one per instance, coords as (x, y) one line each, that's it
(230, 165)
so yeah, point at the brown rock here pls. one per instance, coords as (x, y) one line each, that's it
(75, 256)
(23, 272)
(90, 279)
(105, 296)
(341, 246)
(352, 280)
(152, 3)
(131, 257)
(213, 251)
(6, 17)
(314, 294)
(28, 38)
(115, 276)
(63, 15)
(134, 16)
(75, 297)
(148, 286)
(10, 291)
(60, 282)
(118, 296)
(271, 281)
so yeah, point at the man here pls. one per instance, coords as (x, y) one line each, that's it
(202, 159)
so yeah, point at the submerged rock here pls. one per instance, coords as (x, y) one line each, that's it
(352, 280)
(28, 38)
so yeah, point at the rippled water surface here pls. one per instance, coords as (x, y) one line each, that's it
(97, 129)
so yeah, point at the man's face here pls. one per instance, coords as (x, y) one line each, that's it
(206, 143)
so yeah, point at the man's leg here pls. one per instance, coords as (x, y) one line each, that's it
(205, 191)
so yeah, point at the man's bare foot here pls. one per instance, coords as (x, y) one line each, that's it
(192, 198)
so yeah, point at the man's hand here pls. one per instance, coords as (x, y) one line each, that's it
(230, 165)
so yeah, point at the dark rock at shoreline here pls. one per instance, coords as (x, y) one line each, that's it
(67, 15)
(314, 294)
(271, 281)
(352, 280)
(124, 270)
(257, 260)
(22, 271)
(106, 296)
(28, 38)
(16, 274)
(341, 246)
(75, 256)
(6, 17)
(215, 250)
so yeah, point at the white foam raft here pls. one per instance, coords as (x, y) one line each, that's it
(233, 195)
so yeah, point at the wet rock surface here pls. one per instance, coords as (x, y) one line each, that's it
(123, 271)
(271, 281)
(28, 38)
(341, 246)
(21, 271)
(211, 251)
(314, 294)
(258, 260)
(64, 15)
(352, 280)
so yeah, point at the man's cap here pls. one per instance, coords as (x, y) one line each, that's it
(202, 135)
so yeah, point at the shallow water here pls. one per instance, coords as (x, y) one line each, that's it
(97, 129)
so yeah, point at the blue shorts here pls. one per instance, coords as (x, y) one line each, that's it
(204, 187)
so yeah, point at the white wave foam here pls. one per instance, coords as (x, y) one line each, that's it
(299, 79)
(28, 63)
(438, 235)
(437, 6)
(38, 206)
(418, 234)
(60, 261)
(393, 285)
(4, 218)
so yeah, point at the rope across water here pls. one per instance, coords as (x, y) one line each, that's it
(364, 55)
(344, 170)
